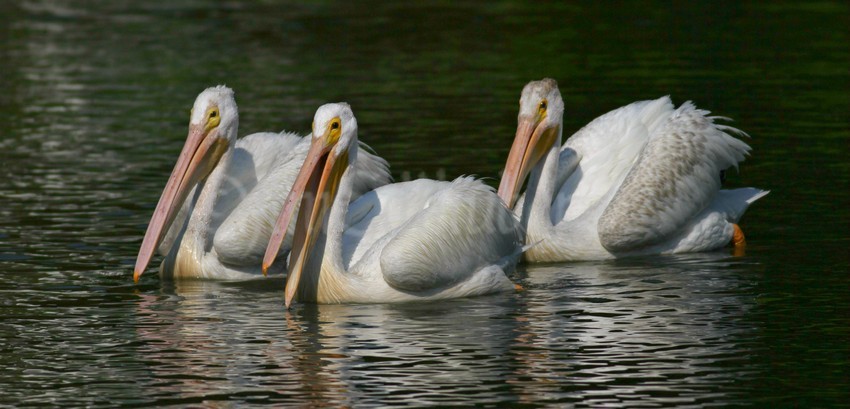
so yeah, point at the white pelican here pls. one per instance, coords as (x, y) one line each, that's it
(642, 179)
(235, 190)
(418, 240)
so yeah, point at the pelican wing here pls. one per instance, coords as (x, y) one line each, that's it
(275, 159)
(675, 177)
(253, 157)
(263, 169)
(611, 144)
(372, 172)
(461, 228)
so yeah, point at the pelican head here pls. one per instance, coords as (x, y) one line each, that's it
(213, 124)
(334, 135)
(541, 112)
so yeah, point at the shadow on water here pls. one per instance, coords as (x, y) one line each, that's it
(667, 331)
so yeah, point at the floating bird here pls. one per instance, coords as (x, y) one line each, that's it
(642, 179)
(417, 240)
(216, 214)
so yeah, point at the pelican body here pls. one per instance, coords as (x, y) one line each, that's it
(217, 211)
(418, 240)
(642, 179)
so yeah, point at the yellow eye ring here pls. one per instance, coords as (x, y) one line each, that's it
(333, 130)
(213, 118)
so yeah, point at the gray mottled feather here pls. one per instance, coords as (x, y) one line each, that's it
(606, 148)
(675, 177)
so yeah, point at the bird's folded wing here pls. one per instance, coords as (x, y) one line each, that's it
(606, 149)
(462, 228)
(262, 172)
(276, 160)
(677, 175)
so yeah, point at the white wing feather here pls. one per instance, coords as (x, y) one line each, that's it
(451, 238)
(258, 184)
(263, 169)
(607, 148)
(436, 234)
(251, 159)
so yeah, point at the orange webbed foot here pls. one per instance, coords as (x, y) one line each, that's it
(739, 243)
(738, 239)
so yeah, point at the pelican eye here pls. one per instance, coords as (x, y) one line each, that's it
(333, 130)
(542, 105)
(213, 118)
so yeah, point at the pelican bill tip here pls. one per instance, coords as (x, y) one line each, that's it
(288, 296)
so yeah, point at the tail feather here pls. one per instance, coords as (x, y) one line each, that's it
(734, 202)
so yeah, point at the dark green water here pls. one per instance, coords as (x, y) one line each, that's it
(94, 100)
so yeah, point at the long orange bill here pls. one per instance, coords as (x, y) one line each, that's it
(199, 155)
(533, 139)
(315, 189)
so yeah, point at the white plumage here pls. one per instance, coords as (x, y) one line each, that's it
(642, 179)
(417, 240)
(230, 194)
